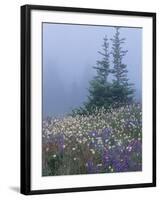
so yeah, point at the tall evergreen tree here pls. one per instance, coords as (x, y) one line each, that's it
(122, 91)
(99, 90)
(99, 86)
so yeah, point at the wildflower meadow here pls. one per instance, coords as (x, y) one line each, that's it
(104, 142)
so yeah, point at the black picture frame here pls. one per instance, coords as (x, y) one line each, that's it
(26, 98)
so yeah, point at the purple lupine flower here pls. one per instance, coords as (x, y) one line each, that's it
(121, 164)
(137, 146)
(91, 168)
(121, 159)
(105, 158)
(106, 133)
(126, 159)
(135, 163)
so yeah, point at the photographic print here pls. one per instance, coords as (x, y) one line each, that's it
(92, 99)
(88, 99)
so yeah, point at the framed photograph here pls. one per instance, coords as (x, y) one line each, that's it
(88, 99)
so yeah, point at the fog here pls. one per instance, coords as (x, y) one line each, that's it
(70, 52)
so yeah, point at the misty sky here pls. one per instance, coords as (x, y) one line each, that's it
(70, 52)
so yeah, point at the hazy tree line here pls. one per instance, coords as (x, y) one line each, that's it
(104, 92)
